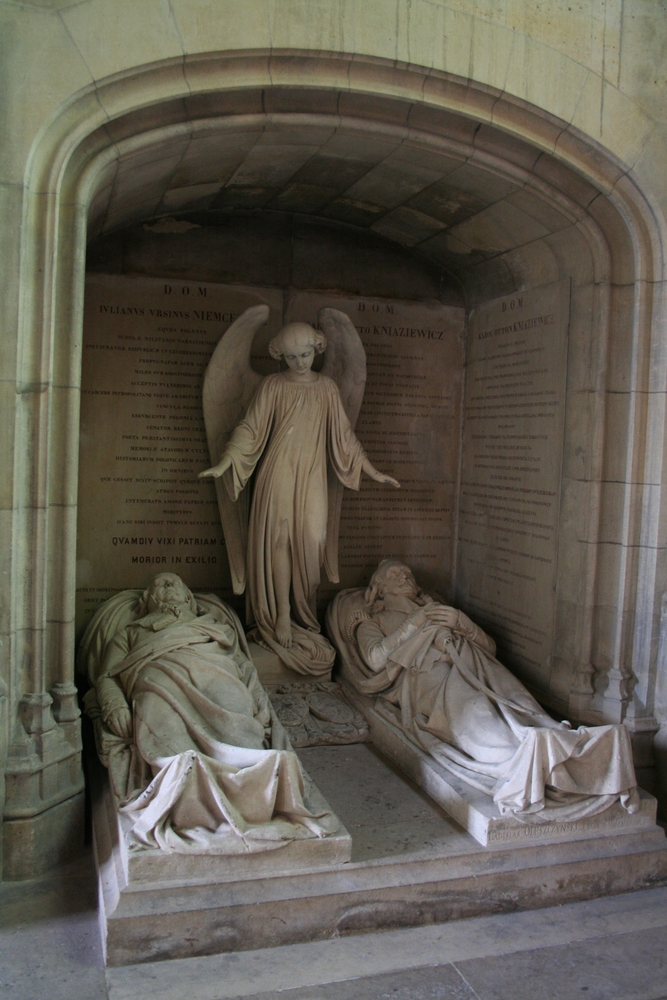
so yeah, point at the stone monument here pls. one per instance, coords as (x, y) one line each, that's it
(300, 425)
(435, 681)
(198, 761)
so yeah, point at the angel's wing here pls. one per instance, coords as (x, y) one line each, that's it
(229, 385)
(345, 363)
(110, 618)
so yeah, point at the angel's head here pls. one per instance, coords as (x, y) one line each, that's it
(298, 343)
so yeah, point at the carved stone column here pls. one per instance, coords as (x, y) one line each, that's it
(43, 818)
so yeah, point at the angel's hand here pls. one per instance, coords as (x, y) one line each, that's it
(381, 478)
(119, 721)
(217, 470)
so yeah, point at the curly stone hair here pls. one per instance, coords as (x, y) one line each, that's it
(310, 337)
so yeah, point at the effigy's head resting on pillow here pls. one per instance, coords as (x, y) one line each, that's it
(392, 577)
(166, 592)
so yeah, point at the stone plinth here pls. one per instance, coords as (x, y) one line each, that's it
(154, 865)
(122, 872)
(475, 811)
(411, 865)
(270, 670)
(479, 815)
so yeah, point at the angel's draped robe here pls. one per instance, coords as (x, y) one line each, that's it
(292, 427)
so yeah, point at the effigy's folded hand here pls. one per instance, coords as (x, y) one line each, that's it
(441, 614)
(417, 618)
(119, 721)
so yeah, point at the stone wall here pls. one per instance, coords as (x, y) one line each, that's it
(138, 470)
(102, 102)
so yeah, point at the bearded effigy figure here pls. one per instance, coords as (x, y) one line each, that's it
(197, 759)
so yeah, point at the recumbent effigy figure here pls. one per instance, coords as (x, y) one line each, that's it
(197, 758)
(297, 428)
(437, 679)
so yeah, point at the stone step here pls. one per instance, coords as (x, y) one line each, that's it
(411, 865)
(395, 954)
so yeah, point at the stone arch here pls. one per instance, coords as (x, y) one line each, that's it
(616, 236)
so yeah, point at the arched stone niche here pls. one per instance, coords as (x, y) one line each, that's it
(523, 200)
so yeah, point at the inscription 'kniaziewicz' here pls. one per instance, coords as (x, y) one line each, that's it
(409, 424)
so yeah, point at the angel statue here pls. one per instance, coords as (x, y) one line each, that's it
(289, 424)
(197, 758)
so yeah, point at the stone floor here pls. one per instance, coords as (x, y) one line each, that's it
(609, 949)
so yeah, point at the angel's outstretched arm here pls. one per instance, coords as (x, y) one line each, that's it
(346, 452)
(229, 385)
(217, 470)
(246, 445)
(379, 477)
(345, 363)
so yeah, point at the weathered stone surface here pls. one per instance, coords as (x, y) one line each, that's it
(37, 843)
(422, 869)
(478, 814)
(316, 713)
(511, 473)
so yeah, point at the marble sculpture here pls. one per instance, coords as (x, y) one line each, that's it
(198, 761)
(297, 427)
(436, 678)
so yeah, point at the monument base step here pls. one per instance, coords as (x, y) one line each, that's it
(475, 811)
(270, 670)
(120, 870)
(411, 865)
(479, 815)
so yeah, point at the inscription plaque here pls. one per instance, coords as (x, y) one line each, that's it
(510, 483)
(410, 425)
(147, 342)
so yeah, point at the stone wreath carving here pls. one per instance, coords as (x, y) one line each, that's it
(315, 713)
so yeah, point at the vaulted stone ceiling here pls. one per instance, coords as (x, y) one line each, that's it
(441, 200)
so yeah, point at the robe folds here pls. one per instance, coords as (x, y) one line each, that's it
(469, 712)
(290, 430)
(208, 768)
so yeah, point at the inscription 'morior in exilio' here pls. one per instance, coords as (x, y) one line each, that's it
(510, 483)
(141, 507)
